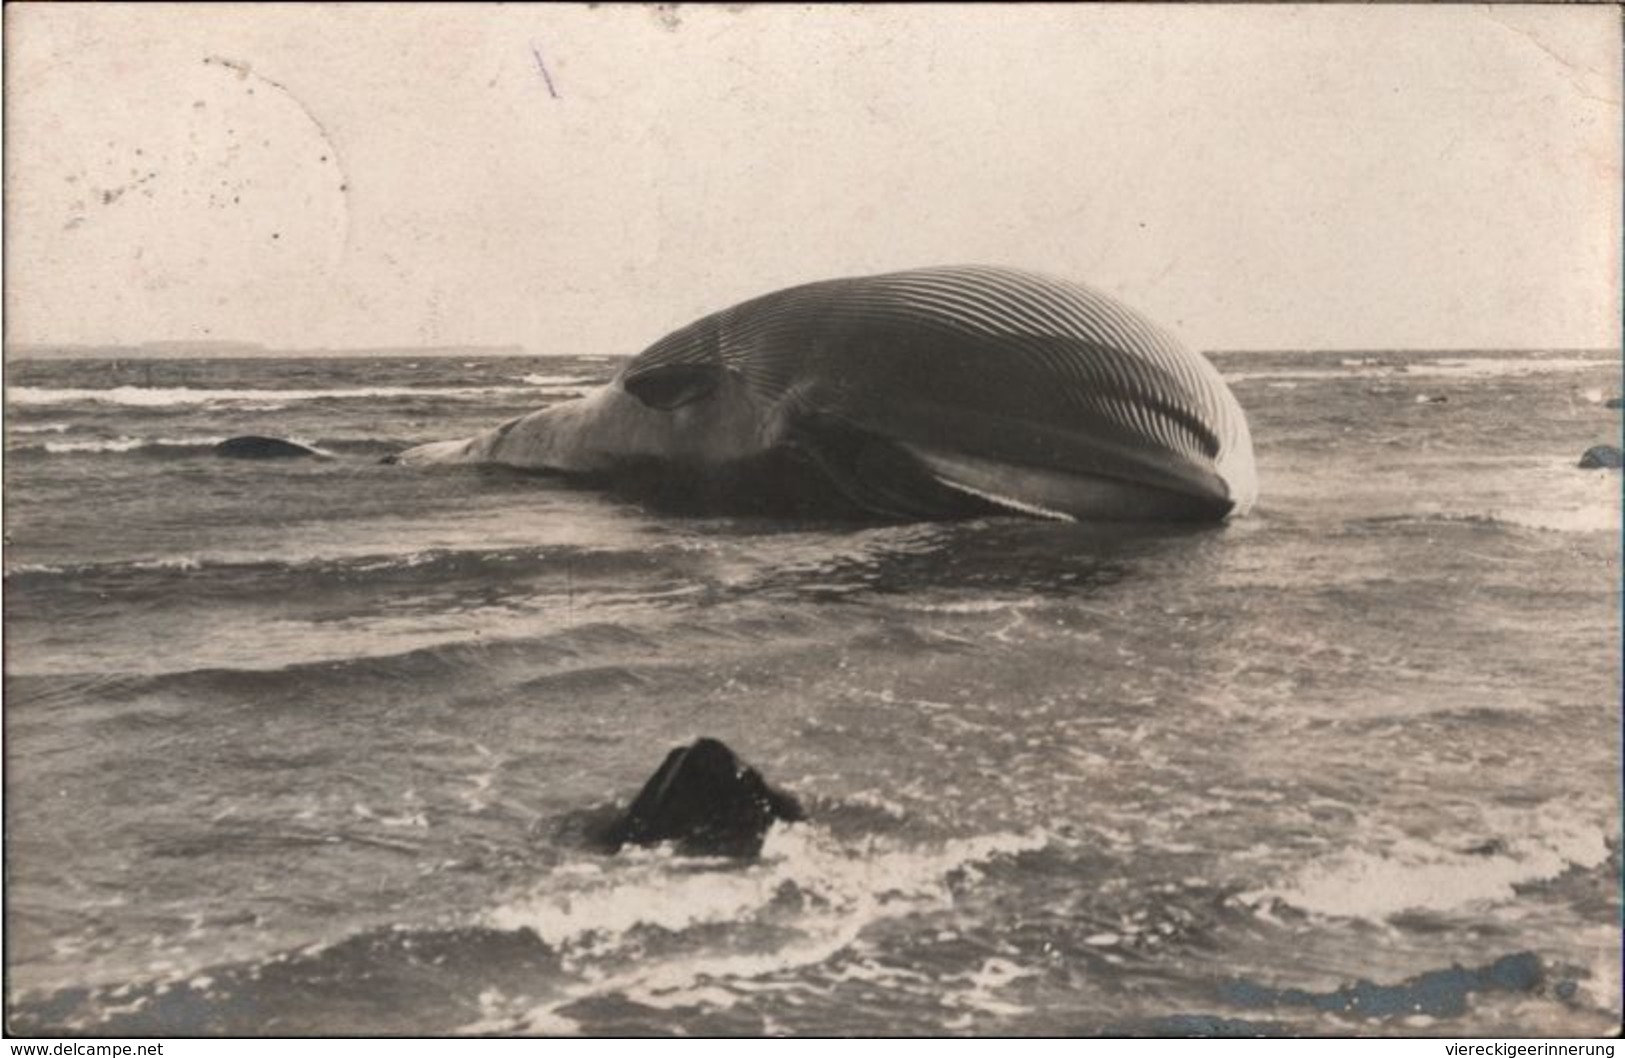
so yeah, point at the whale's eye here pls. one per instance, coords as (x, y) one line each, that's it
(671, 386)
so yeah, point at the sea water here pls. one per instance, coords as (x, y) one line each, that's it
(300, 746)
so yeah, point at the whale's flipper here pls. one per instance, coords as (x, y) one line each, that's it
(707, 801)
(666, 387)
(878, 475)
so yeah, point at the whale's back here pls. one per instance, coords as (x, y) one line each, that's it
(982, 374)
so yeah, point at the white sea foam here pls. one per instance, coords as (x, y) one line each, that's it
(1579, 501)
(970, 606)
(1441, 367)
(33, 567)
(181, 562)
(983, 996)
(159, 396)
(1409, 874)
(555, 380)
(650, 887)
(42, 427)
(1601, 518)
(129, 444)
(1481, 367)
(1294, 373)
(591, 915)
(1602, 985)
(133, 444)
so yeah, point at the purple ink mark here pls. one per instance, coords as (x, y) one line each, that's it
(542, 66)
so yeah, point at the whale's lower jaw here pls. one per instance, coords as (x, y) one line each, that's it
(1048, 493)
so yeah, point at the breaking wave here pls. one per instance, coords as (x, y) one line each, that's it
(1415, 875)
(815, 892)
(1440, 367)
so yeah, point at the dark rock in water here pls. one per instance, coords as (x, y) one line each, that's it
(707, 801)
(1614, 402)
(253, 447)
(1602, 457)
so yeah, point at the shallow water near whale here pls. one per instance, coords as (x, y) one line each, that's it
(299, 746)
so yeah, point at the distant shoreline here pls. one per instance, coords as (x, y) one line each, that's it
(251, 351)
(247, 351)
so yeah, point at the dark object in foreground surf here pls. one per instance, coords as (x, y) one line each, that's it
(252, 446)
(1614, 402)
(707, 801)
(1602, 457)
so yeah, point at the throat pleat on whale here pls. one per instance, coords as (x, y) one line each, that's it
(935, 392)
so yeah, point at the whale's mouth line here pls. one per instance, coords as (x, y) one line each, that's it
(1011, 503)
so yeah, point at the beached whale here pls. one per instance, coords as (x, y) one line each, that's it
(920, 394)
(707, 802)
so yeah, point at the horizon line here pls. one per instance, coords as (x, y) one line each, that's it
(231, 349)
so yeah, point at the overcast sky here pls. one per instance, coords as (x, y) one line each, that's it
(576, 179)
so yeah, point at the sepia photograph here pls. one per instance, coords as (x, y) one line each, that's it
(749, 520)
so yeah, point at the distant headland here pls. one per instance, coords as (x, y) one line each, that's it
(212, 349)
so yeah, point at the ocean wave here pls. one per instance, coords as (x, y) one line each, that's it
(660, 930)
(155, 397)
(558, 381)
(1441, 367)
(293, 988)
(42, 427)
(129, 444)
(46, 569)
(817, 894)
(1479, 367)
(1591, 505)
(970, 606)
(178, 446)
(582, 562)
(584, 655)
(1599, 518)
(559, 608)
(1409, 874)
